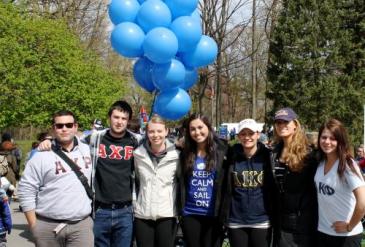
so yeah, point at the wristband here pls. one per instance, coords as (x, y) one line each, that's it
(348, 227)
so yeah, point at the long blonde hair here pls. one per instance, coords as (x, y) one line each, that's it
(297, 150)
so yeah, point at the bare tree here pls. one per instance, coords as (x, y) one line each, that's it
(219, 19)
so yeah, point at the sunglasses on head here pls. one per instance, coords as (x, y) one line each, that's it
(280, 121)
(61, 125)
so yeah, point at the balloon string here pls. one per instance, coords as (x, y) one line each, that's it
(153, 104)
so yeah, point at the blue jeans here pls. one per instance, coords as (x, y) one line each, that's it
(113, 227)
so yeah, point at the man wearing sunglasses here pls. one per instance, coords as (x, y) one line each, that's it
(52, 197)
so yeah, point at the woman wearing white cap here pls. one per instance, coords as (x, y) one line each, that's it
(246, 206)
(340, 189)
(294, 168)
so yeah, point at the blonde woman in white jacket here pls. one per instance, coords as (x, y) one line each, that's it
(155, 162)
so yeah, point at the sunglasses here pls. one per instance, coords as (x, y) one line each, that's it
(281, 122)
(61, 125)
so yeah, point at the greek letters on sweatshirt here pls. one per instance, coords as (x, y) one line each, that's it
(49, 186)
(249, 200)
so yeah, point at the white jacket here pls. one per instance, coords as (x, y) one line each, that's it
(157, 184)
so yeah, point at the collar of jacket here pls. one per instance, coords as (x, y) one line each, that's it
(58, 145)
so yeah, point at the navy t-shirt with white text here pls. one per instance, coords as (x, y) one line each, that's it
(200, 190)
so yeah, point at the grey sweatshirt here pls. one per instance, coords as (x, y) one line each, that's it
(49, 186)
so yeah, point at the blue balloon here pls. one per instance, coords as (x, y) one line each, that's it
(127, 39)
(196, 15)
(168, 75)
(181, 7)
(123, 10)
(141, 1)
(142, 73)
(153, 13)
(204, 53)
(172, 104)
(188, 32)
(191, 76)
(160, 45)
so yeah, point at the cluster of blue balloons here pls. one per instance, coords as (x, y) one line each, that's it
(166, 37)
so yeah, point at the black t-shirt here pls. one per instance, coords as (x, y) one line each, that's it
(113, 177)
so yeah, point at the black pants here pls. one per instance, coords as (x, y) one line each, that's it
(151, 233)
(249, 237)
(201, 231)
(288, 239)
(325, 240)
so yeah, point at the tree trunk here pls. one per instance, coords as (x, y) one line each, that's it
(253, 59)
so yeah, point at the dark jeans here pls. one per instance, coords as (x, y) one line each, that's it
(155, 233)
(201, 231)
(249, 237)
(289, 239)
(325, 240)
(113, 227)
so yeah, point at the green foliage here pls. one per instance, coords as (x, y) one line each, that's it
(317, 62)
(44, 68)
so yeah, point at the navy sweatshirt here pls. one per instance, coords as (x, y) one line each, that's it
(248, 180)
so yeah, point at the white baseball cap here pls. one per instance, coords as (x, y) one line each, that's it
(248, 124)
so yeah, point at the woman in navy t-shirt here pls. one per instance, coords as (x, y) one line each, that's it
(201, 180)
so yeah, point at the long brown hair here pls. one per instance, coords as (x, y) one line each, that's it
(298, 148)
(343, 149)
(190, 146)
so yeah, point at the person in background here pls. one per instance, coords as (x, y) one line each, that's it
(294, 167)
(360, 158)
(135, 127)
(41, 137)
(359, 154)
(247, 201)
(232, 134)
(340, 189)
(16, 151)
(5, 217)
(313, 140)
(201, 183)
(96, 125)
(156, 162)
(6, 150)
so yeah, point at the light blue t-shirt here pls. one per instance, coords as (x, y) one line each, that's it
(200, 190)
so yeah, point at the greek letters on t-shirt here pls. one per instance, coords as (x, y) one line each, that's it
(60, 168)
(248, 179)
(325, 189)
(116, 152)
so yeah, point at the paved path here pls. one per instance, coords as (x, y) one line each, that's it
(20, 235)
